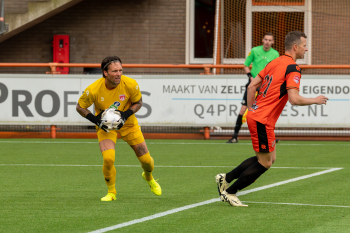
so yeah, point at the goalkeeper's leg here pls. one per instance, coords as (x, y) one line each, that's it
(239, 122)
(108, 169)
(107, 144)
(137, 142)
(147, 163)
(238, 125)
(143, 155)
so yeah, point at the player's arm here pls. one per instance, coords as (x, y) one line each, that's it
(255, 84)
(296, 99)
(84, 112)
(247, 62)
(247, 71)
(134, 107)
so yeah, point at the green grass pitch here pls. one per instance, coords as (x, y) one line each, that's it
(51, 185)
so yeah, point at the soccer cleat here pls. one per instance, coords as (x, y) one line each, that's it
(277, 140)
(155, 187)
(109, 197)
(231, 198)
(232, 140)
(221, 182)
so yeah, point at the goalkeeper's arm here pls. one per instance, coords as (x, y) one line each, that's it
(247, 71)
(134, 107)
(91, 117)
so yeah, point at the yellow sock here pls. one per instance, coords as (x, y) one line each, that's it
(147, 163)
(108, 169)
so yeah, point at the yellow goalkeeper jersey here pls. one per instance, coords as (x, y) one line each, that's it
(122, 96)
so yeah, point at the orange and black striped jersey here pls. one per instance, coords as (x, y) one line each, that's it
(277, 77)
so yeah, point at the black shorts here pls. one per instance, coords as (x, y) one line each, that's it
(244, 100)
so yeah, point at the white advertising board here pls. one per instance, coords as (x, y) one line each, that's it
(183, 100)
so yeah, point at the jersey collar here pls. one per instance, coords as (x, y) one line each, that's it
(288, 55)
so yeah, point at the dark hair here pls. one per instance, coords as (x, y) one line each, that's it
(107, 61)
(269, 34)
(293, 38)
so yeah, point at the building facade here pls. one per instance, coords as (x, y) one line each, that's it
(176, 32)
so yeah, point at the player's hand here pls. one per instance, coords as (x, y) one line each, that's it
(103, 127)
(124, 116)
(250, 77)
(121, 123)
(99, 116)
(97, 121)
(321, 99)
(100, 122)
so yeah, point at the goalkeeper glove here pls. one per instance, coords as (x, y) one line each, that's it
(97, 121)
(124, 116)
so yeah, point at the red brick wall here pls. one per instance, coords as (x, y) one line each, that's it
(151, 31)
(330, 32)
(138, 31)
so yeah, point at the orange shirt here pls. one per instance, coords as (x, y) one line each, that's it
(278, 76)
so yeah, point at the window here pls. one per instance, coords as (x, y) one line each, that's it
(201, 31)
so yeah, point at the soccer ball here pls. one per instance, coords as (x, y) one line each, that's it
(111, 118)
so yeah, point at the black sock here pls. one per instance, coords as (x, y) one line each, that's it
(235, 173)
(238, 126)
(247, 177)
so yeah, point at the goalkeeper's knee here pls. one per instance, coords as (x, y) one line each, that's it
(108, 158)
(147, 162)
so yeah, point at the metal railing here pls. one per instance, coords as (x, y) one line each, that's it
(206, 67)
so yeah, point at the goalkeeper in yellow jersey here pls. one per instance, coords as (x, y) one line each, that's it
(122, 93)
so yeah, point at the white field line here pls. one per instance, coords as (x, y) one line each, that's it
(299, 204)
(180, 143)
(288, 181)
(209, 201)
(164, 166)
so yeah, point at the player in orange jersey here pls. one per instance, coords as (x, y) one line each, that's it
(259, 56)
(122, 93)
(279, 82)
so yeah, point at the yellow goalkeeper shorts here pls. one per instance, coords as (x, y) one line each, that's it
(133, 137)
